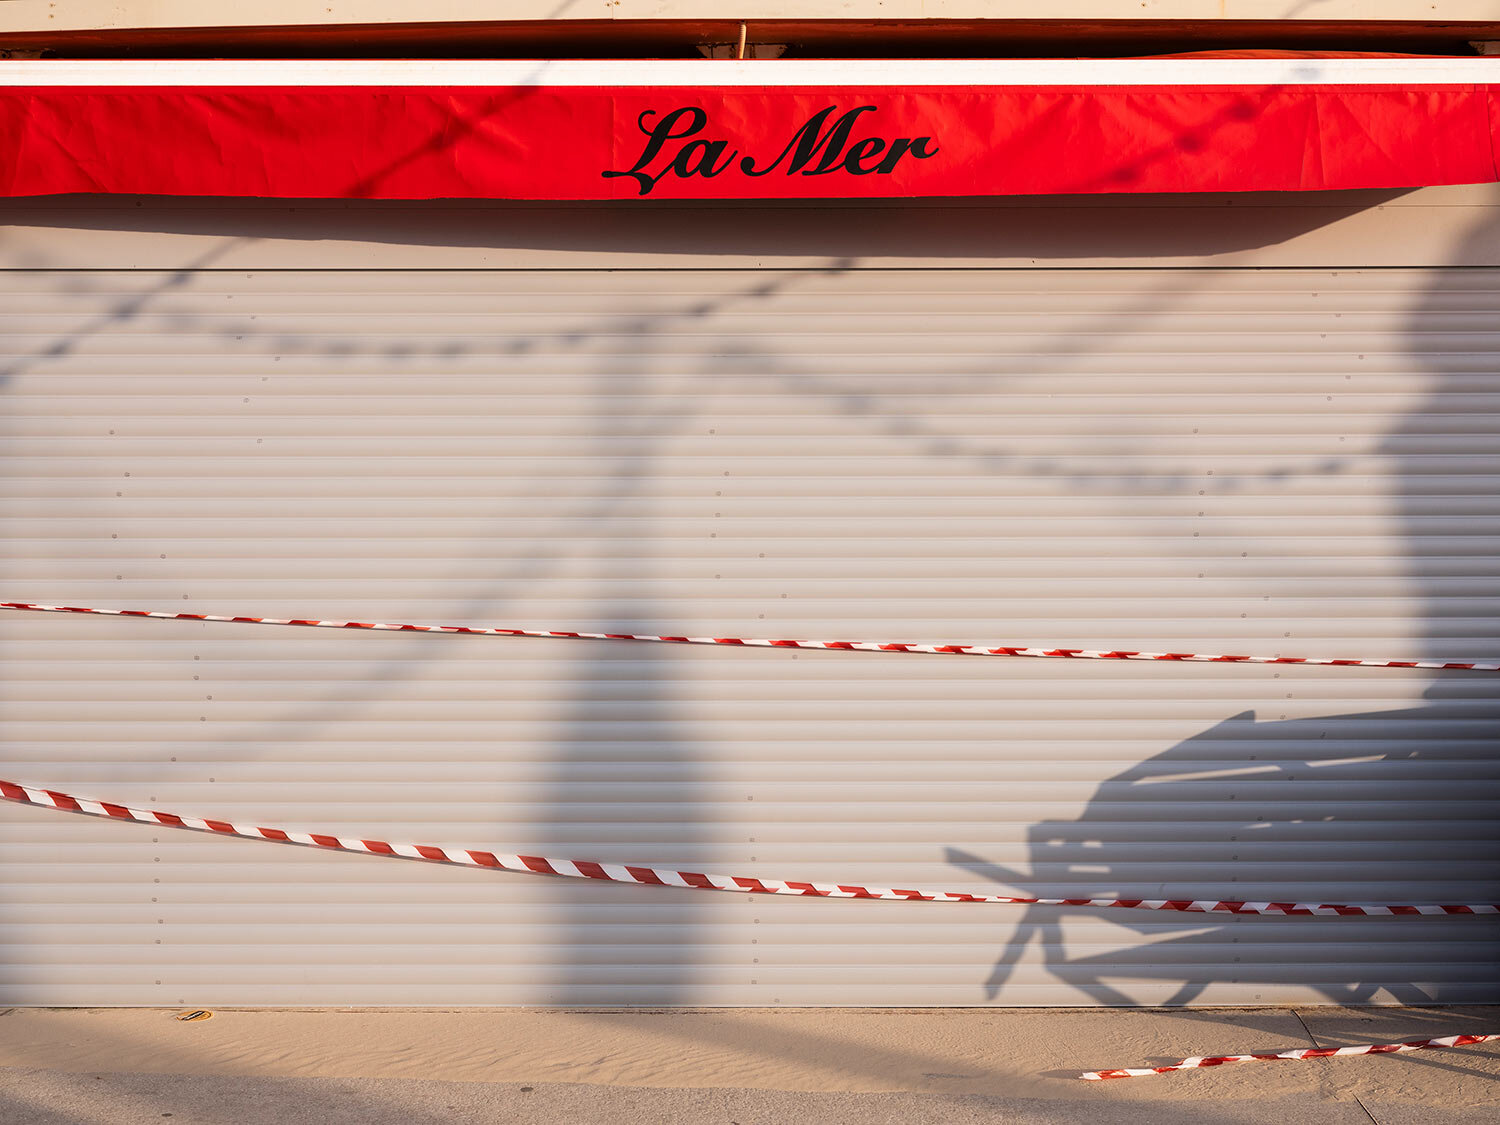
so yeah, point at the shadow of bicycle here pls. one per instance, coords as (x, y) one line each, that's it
(1377, 806)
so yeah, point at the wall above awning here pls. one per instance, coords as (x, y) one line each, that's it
(753, 130)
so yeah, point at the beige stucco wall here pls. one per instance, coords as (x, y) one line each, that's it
(47, 15)
(1287, 229)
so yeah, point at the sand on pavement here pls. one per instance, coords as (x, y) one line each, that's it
(949, 1064)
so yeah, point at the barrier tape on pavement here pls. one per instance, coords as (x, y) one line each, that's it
(670, 877)
(760, 642)
(1303, 1053)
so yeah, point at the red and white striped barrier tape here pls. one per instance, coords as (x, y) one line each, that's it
(670, 877)
(659, 876)
(760, 642)
(1303, 1053)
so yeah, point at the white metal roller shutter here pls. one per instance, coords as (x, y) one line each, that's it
(1299, 461)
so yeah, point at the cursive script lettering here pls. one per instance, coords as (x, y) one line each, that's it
(699, 158)
(821, 146)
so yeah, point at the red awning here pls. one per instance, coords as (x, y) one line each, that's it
(726, 130)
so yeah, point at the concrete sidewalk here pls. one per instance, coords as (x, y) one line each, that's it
(744, 1066)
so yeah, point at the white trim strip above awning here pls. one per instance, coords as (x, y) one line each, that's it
(764, 73)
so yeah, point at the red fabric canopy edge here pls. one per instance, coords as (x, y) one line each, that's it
(739, 142)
